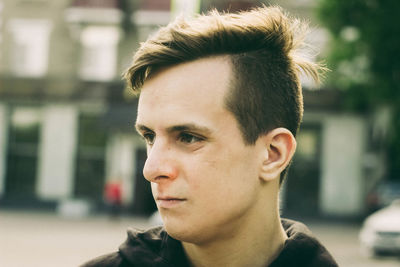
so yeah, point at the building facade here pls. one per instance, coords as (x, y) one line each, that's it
(60, 90)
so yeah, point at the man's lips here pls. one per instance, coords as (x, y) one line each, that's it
(169, 198)
(169, 202)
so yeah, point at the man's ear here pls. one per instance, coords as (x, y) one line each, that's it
(279, 147)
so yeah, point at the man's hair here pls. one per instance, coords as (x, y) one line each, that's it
(263, 46)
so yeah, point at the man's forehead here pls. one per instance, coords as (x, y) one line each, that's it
(185, 93)
(202, 68)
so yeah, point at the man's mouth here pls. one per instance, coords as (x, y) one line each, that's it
(169, 202)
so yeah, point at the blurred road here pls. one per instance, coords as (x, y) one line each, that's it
(341, 239)
(45, 239)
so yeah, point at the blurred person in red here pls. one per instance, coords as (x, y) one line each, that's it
(113, 196)
(220, 105)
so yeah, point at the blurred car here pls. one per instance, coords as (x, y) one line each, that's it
(382, 195)
(380, 233)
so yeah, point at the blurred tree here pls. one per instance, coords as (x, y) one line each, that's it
(365, 59)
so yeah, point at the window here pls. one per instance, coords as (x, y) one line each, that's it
(23, 145)
(29, 47)
(302, 185)
(99, 53)
(90, 167)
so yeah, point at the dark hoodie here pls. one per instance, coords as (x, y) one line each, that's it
(156, 249)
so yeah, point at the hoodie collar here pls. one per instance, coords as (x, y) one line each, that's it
(156, 248)
(153, 247)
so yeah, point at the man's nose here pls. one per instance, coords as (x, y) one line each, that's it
(160, 163)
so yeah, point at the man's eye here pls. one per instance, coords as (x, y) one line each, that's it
(149, 138)
(189, 138)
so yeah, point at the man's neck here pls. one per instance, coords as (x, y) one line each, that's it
(253, 244)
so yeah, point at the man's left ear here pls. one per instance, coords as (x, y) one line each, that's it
(279, 147)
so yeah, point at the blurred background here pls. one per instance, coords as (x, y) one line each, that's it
(67, 120)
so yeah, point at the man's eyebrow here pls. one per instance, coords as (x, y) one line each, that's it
(141, 128)
(177, 128)
(189, 127)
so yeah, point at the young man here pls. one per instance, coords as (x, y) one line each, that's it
(219, 108)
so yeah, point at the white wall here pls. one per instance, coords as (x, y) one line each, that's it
(57, 152)
(3, 146)
(342, 181)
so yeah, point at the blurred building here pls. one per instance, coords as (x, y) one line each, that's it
(67, 122)
(66, 126)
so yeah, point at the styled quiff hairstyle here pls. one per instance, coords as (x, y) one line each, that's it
(264, 49)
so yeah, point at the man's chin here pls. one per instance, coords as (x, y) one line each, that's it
(184, 233)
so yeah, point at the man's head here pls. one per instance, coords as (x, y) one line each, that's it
(219, 106)
(265, 92)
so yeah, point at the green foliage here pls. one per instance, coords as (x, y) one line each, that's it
(365, 58)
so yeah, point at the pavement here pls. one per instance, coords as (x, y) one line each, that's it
(38, 239)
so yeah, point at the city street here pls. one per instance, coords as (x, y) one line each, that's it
(45, 239)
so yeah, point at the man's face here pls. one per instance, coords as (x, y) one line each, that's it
(203, 177)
